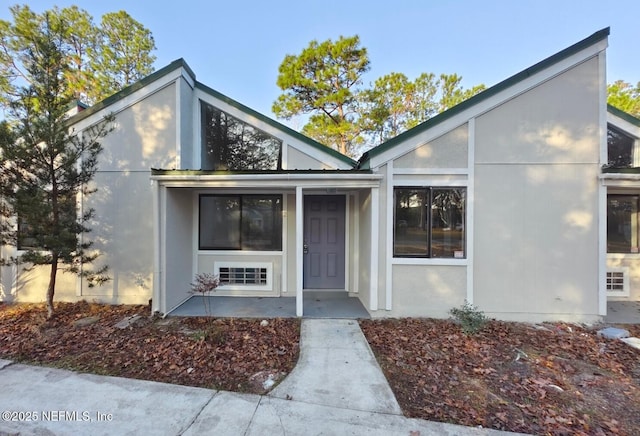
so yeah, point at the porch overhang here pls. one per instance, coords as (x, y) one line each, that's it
(295, 182)
(267, 179)
(621, 178)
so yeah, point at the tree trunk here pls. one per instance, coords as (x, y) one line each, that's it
(52, 285)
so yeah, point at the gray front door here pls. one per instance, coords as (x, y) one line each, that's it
(324, 232)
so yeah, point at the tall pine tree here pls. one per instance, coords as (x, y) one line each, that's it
(44, 166)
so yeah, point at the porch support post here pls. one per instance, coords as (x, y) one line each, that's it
(156, 303)
(375, 254)
(299, 254)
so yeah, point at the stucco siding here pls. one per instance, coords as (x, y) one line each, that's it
(536, 201)
(186, 125)
(122, 232)
(428, 290)
(536, 239)
(30, 285)
(630, 263)
(556, 122)
(298, 160)
(448, 151)
(144, 135)
(178, 249)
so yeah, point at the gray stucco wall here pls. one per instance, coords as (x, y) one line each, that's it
(536, 201)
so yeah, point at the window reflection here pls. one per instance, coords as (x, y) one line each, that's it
(622, 224)
(231, 144)
(429, 222)
(620, 149)
(240, 222)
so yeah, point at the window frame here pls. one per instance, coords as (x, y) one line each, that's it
(277, 225)
(634, 223)
(634, 156)
(215, 163)
(427, 198)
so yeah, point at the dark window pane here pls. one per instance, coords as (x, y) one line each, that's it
(241, 222)
(261, 223)
(231, 144)
(411, 223)
(622, 224)
(219, 222)
(620, 148)
(447, 222)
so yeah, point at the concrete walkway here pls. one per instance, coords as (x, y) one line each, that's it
(336, 388)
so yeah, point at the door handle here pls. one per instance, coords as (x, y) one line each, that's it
(305, 248)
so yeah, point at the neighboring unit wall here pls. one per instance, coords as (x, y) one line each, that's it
(536, 201)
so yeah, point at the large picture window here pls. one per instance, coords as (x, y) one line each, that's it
(622, 223)
(240, 222)
(429, 222)
(231, 144)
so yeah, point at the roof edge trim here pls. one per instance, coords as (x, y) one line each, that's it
(487, 93)
(128, 90)
(309, 141)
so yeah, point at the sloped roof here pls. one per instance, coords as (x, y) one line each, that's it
(277, 125)
(484, 95)
(181, 63)
(624, 115)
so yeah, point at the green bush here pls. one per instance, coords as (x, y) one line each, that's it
(470, 317)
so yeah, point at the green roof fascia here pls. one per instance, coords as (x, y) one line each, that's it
(624, 115)
(161, 172)
(621, 170)
(484, 95)
(277, 125)
(124, 92)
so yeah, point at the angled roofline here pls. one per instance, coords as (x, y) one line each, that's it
(311, 142)
(181, 63)
(484, 95)
(124, 92)
(624, 115)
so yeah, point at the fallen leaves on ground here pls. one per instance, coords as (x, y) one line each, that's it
(206, 352)
(555, 379)
(546, 379)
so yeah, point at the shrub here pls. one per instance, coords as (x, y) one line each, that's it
(204, 284)
(470, 317)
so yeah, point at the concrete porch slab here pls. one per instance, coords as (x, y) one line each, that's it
(316, 304)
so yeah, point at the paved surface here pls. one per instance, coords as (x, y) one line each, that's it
(623, 312)
(316, 304)
(336, 388)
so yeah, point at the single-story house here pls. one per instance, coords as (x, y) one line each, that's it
(522, 200)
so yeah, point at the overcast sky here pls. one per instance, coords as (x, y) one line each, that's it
(236, 46)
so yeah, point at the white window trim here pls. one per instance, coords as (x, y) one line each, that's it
(625, 282)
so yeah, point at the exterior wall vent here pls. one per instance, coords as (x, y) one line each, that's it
(244, 276)
(618, 282)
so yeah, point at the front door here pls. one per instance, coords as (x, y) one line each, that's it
(324, 240)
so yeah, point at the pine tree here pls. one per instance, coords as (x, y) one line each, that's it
(45, 166)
